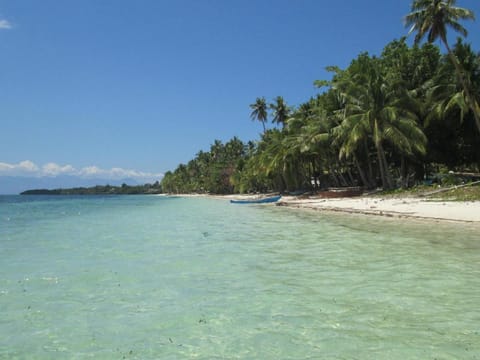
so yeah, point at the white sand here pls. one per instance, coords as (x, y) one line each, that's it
(408, 207)
(397, 207)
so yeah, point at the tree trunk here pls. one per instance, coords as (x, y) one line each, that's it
(388, 176)
(371, 178)
(350, 177)
(383, 167)
(343, 181)
(281, 183)
(313, 175)
(380, 168)
(334, 177)
(365, 182)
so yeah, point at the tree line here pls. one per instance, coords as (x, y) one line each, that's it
(124, 189)
(384, 121)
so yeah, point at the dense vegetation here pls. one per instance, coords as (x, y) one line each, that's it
(385, 121)
(124, 189)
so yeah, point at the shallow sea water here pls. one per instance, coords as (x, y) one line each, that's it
(149, 277)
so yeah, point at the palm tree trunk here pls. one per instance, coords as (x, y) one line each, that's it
(333, 175)
(340, 176)
(383, 167)
(350, 177)
(313, 174)
(403, 172)
(472, 103)
(382, 171)
(342, 179)
(371, 178)
(361, 172)
(388, 176)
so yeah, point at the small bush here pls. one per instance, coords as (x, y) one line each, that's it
(450, 180)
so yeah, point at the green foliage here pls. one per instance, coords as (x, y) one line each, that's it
(280, 110)
(209, 172)
(387, 121)
(432, 18)
(450, 179)
(259, 111)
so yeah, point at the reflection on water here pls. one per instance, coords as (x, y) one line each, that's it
(151, 277)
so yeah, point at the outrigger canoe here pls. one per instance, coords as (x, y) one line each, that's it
(265, 200)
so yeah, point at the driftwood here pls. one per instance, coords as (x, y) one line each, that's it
(477, 175)
(340, 192)
(448, 189)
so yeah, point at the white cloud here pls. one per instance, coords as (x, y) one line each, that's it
(5, 24)
(22, 168)
(51, 169)
(28, 165)
(117, 173)
(91, 171)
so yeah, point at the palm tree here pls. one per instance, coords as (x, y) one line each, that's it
(280, 111)
(375, 110)
(309, 135)
(431, 18)
(259, 112)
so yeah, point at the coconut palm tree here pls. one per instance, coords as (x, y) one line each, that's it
(259, 112)
(308, 134)
(375, 110)
(431, 18)
(280, 111)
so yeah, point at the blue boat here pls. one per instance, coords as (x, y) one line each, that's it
(265, 200)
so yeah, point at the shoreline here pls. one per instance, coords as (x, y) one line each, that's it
(401, 207)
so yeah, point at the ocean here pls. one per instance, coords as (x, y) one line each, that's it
(152, 277)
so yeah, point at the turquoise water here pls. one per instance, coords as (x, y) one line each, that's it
(148, 277)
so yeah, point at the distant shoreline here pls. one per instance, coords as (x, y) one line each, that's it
(124, 189)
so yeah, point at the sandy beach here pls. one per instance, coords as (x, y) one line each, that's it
(403, 207)
(419, 208)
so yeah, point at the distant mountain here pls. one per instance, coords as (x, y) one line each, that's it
(17, 184)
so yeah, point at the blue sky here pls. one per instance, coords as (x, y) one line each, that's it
(140, 86)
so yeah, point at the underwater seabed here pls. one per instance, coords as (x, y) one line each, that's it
(153, 277)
